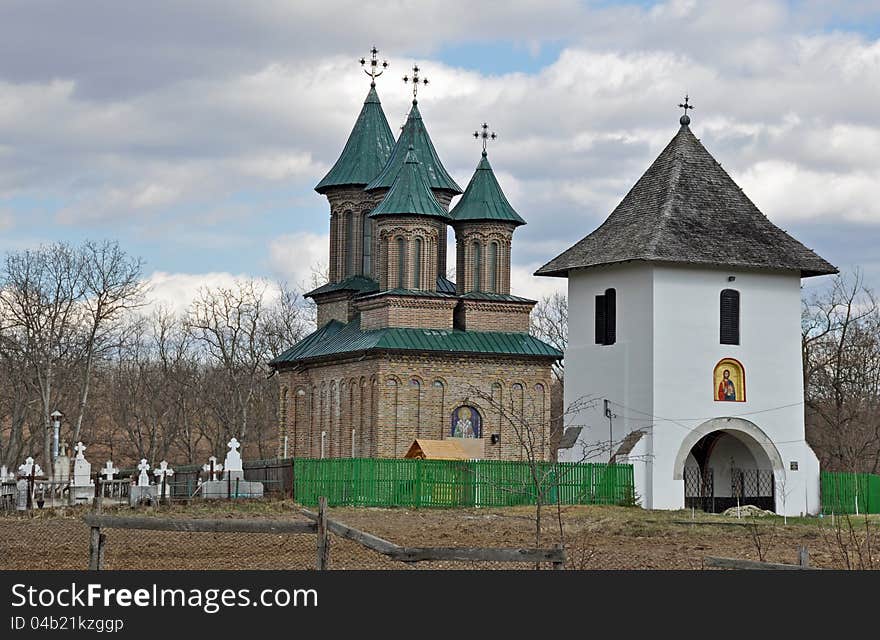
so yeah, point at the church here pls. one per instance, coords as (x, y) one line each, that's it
(401, 352)
(684, 331)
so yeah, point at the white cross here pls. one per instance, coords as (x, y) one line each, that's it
(163, 471)
(233, 444)
(80, 448)
(28, 467)
(143, 478)
(109, 471)
(213, 467)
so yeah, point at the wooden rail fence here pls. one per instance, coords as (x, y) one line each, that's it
(318, 525)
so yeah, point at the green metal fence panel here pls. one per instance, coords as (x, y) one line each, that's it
(382, 482)
(850, 492)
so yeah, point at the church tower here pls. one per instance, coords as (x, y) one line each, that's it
(400, 353)
(484, 222)
(684, 321)
(365, 154)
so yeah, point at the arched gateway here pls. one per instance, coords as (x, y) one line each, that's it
(727, 462)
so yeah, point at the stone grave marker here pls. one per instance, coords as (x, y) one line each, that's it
(61, 472)
(212, 468)
(109, 471)
(163, 472)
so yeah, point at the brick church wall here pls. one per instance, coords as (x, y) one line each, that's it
(390, 401)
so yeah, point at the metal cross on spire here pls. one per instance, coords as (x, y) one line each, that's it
(485, 135)
(685, 119)
(374, 71)
(415, 81)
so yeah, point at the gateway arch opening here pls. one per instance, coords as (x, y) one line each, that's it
(728, 468)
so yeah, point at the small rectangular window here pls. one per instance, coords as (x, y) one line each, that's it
(729, 316)
(606, 317)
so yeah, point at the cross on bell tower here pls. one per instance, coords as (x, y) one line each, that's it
(685, 119)
(415, 81)
(374, 64)
(485, 135)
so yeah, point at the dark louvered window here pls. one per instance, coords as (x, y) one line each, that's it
(730, 316)
(610, 316)
(606, 317)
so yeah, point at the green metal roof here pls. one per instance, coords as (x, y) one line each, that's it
(336, 338)
(367, 150)
(483, 199)
(415, 134)
(493, 297)
(416, 293)
(361, 284)
(409, 195)
(445, 285)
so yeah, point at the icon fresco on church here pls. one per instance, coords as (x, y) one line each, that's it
(730, 381)
(466, 423)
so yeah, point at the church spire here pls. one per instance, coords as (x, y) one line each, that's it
(370, 143)
(409, 195)
(414, 134)
(483, 198)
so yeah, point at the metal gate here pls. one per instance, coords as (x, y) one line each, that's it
(747, 486)
(699, 489)
(752, 486)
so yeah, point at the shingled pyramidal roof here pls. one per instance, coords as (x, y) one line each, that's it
(409, 195)
(367, 150)
(686, 209)
(483, 199)
(416, 136)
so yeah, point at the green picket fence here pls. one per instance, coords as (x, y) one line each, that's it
(380, 482)
(842, 491)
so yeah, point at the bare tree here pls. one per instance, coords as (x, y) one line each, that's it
(549, 322)
(41, 294)
(228, 324)
(531, 430)
(112, 288)
(841, 353)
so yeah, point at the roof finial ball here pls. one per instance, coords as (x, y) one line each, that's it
(485, 136)
(374, 71)
(685, 120)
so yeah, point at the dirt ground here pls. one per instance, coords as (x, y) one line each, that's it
(595, 537)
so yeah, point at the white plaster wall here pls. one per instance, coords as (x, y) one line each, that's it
(687, 347)
(659, 373)
(618, 371)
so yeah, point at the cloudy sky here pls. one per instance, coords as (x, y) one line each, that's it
(194, 131)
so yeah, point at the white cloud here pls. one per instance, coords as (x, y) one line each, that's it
(176, 291)
(295, 257)
(787, 192)
(173, 122)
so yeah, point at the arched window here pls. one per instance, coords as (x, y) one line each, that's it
(417, 263)
(606, 317)
(367, 253)
(493, 267)
(478, 266)
(401, 263)
(730, 316)
(349, 243)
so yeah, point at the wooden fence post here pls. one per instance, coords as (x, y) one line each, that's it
(98, 506)
(803, 556)
(95, 549)
(323, 535)
(560, 564)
